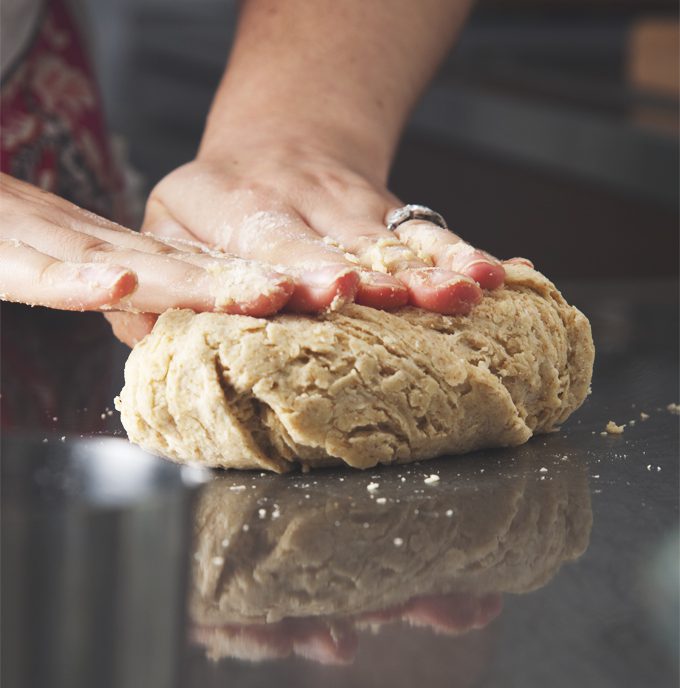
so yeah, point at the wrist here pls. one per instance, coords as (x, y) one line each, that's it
(292, 135)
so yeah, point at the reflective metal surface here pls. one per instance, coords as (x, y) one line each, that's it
(553, 564)
(94, 539)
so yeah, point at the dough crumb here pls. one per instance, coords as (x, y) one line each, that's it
(372, 487)
(674, 408)
(644, 416)
(431, 479)
(338, 303)
(614, 429)
(398, 542)
(332, 243)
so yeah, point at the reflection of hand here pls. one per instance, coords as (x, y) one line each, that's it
(332, 641)
(278, 551)
(55, 254)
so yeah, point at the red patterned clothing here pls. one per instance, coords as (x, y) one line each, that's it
(53, 135)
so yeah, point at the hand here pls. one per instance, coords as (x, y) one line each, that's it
(55, 254)
(294, 160)
(312, 214)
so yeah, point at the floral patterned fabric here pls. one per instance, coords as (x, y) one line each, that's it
(56, 365)
(53, 132)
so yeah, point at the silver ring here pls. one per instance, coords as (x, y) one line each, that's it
(413, 212)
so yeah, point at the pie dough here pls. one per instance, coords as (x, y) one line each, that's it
(358, 386)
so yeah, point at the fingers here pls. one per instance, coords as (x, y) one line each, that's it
(439, 289)
(328, 287)
(442, 291)
(103, 265)
(29, 276)
(240, 286)
(448, 251)
(323, 275)
(166, 278)
(379, 290)
(452, 613)
(131, 328)
(326, 227)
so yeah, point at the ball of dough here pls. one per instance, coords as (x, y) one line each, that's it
(358, 386)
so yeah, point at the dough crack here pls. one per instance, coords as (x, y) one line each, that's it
(248, 410)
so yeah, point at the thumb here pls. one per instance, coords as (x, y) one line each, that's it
(131, 328)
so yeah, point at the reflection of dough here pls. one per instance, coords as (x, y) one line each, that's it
(358, 386)
(310, 558)
(301, 564)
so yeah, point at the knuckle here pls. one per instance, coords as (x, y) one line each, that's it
(96, 249)
(156, 245)
(49, 272)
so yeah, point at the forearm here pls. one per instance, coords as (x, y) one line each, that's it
(342, 73)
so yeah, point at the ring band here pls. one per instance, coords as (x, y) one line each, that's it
(414, 212)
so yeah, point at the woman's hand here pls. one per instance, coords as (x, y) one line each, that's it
(313, 214)
(293, 165)
(55, 254)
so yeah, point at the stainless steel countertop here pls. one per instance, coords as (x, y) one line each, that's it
(552, 564)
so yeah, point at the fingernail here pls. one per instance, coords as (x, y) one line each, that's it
(445, 278)
(101, 276)
(477, 258)
(379, 279)
(519, 261)
(326, 276)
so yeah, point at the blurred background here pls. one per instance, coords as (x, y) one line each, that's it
(551, 131)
